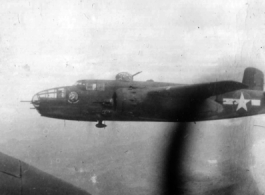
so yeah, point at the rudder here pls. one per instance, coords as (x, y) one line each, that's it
(254, 78)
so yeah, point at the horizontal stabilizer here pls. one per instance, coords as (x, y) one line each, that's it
(200, 91)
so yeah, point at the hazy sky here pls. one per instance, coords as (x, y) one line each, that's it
(45, 43)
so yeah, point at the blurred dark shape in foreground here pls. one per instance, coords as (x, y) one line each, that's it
(20, 178)
(233, 170)
(233, 175)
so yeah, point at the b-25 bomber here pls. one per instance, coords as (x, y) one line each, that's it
(124, 99)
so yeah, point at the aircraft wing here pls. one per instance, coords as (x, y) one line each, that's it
(18, 177)
(198, 91)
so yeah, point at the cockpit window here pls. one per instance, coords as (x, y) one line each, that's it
(80, 83)
(101, 86)
(90, 86)
(95, 86)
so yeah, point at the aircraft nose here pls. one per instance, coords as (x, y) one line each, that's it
(36, 101)
(48, 96)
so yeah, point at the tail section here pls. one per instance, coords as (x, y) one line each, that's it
(253, 78)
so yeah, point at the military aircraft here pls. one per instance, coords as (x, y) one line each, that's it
(124, 99)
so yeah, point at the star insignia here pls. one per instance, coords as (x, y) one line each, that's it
(242, 102)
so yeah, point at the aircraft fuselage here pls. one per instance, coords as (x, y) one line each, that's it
(97, 100)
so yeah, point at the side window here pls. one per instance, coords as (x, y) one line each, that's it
(90, 86)
(101, 86)
(94, 86)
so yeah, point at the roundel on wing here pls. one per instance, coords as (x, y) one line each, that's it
(73, 97)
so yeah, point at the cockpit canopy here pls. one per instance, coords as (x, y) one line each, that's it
(79, 83)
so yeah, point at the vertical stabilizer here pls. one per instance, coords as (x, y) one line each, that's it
(254, 78)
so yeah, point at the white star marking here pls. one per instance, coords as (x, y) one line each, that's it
(242, 102)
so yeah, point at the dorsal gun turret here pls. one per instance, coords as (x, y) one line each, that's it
(125, 76)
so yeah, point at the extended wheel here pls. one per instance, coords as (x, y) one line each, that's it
(100, 125)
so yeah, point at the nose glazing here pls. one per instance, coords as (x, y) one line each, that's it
(36, 100)
(49, 95)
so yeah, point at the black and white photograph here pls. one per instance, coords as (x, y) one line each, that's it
(135, 97)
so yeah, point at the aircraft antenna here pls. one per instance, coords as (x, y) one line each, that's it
(136, 73)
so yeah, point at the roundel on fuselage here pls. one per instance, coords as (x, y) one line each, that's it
(73, 97)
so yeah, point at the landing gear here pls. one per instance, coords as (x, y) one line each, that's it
(100, 124)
